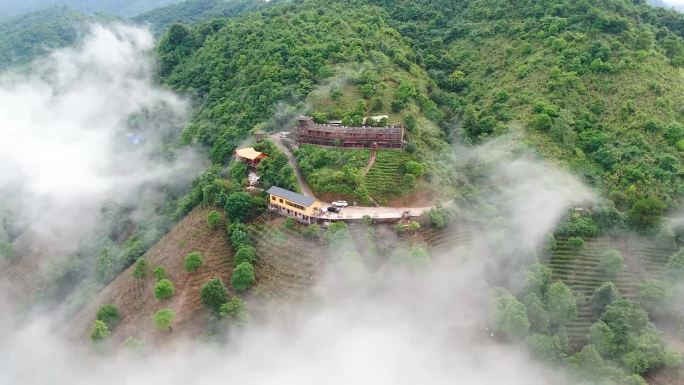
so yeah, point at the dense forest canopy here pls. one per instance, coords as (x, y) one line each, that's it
(591, 84)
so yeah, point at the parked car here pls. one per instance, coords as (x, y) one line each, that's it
(333, 209)
(340, 204)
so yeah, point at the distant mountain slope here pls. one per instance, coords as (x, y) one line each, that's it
(247, 70)
(663, 4)
(596, 87)
(25, 37)
(194, 11)
(124, 8)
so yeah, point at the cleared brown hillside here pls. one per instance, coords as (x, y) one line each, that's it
(135, 298)
(287, 266)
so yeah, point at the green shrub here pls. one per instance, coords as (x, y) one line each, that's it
(436, 218)
(578, 226)
(408, 181)
(238, 205)
(235, 309)
(214, 294)
(243, 277)
(100, 331)
(544, 347)
(414, 168)
(159, 273)
(214, 219)
(541, 122)
(646, 213)
(110, 315)
(239, 235)
(193, 261)
(603, 296)
(164, 289)
(611, 263)
(245, 254)
(289, 223)
(414, 226)
(576, 243)
(239, 172)
(510, 316)
(163, 319)
(141, 269)
(338, 232)
(312, 231)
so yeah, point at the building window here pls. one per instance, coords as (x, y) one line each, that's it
(273, 198)
(281, 201)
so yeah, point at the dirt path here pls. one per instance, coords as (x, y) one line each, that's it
(275, 138)
(371, 161)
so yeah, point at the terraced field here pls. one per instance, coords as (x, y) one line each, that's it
(384, 178)
(440, 242)
(579, 270)
(286, 266)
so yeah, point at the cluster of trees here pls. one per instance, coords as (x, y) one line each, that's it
(243, 275)
(622, 343)
(214, 295)
(275, 170)
(107, 318)
(253, 62)
(564, 68)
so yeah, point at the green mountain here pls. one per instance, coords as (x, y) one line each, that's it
(124, 8)
(248, 69)
(194, 11)
(26, 37)
(596, 88)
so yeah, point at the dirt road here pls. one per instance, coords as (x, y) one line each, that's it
(275, 138)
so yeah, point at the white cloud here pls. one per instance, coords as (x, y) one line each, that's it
(390, 328)
(63, 127)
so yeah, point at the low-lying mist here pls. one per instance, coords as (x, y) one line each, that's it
(84, 127)
(389, 326)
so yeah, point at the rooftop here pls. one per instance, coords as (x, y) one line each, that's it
(248, 153)
(360, 130)
(292, 196)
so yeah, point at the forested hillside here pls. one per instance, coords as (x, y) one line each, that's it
(26, 37)
(194, 11)
(595, 85)
(592, 85)
(256, 72)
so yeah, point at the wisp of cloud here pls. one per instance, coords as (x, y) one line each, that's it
(70, 132)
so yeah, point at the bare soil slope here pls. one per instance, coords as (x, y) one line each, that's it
(135, 297)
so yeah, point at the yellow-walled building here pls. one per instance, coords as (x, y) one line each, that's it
(292, 204)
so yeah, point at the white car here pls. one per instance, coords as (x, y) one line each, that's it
(340, 204)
